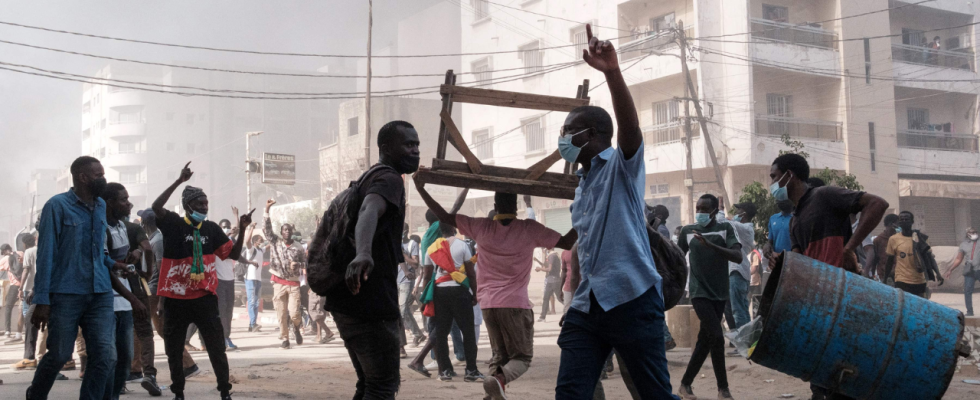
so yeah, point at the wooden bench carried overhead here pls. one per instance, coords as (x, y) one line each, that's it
(534, 181)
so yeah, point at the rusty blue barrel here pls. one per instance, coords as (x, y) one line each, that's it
(855, 336)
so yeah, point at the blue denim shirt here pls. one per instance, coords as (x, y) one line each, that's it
(71, 256)
(616, 263)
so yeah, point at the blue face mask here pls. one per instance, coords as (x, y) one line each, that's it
(703, 219)
(198, 217)
(569, 151)
(737, 218)
(779, 192)
(898, 229)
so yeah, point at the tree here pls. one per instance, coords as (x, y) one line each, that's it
(758, 193)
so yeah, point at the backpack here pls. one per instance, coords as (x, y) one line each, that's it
(671, 265)
(332, 247)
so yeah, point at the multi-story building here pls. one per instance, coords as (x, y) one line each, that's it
(43, 185)
(144, 138)
(858, 83)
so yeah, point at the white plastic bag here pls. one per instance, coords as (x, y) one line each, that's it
(746, 337)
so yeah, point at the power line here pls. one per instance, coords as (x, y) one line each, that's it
(552, 16)
(765, 41)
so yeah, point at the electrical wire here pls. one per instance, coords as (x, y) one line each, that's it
(553, 17)
(771, 41)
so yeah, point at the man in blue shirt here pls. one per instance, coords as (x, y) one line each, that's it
(779, 229)
(618, 303)
(72, 287)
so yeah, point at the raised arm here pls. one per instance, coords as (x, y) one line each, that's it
(443, 216)
(236, 249)
(602, 56)
(160, 204)
(267, 224)
(372, 208)
(459, 201)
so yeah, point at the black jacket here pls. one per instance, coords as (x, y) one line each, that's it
(924, 256)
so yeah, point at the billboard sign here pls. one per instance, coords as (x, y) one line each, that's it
(278, 169)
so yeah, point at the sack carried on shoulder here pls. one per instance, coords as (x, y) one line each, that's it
(671, 265)
(332, 248)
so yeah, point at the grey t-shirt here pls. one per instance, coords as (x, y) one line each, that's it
(971, 256)
(156, 244)
(30, 266)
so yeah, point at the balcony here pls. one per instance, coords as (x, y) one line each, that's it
(919, 55)
(932, 140)
(650, 42)
(120, 129)
(799, 128)
(673, 132)
(803, 35)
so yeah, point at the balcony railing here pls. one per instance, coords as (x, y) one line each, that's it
(803, 35)
(941, 58)
(799, 128)
(673, 132)
(916, 139)
(644, 43)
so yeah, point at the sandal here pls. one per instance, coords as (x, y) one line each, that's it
(420, 369)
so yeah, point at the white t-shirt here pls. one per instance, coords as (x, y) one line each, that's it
(410, 248)
(120, 243)
(256, 255)
(461, 253)
(225, 269)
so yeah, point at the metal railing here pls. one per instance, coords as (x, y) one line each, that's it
(916, 139)
(673, 132)
(941, 58)
(802, 35)
(644, 43)
(799, 128)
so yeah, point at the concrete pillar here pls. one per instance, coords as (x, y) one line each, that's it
(963, 216)
(679, 323)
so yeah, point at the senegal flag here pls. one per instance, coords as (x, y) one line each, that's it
(442, 257)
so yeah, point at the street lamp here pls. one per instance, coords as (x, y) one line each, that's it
(248, 169)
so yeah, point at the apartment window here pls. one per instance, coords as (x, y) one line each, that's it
(126, 115)
(914, 37)
(775, 13)
(171, 146)
(129, 147)
(190, 119)
(871, 144)
(532, 56)
(918, 118)
(86, 134)
(481, 71)
(665, 112)
(662, 23)
(581, 40)
(481, 9)
(867, 61)
(352, 128)
(533, 133)
(102, 123)
(779, 105)
(130, 176)
(483, 143)
(190, 148)
(170, 116)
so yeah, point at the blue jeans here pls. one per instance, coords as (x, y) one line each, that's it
(635, 329)
(93, 313)
(969, 282)
(124, 353)
(738, 295)
(252, 292)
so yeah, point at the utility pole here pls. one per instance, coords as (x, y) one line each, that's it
(367, 101)
(703, 122)
(689, 176)
(248, 168)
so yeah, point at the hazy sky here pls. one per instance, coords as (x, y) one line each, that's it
(40, 118)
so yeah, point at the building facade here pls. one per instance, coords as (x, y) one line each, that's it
(865, 86)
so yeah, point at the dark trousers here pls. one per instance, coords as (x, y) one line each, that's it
(8, 306)
(144, 350)
(373, 348)
(202, 312)
(969, 281)
(30, 331)
(710, 340)
(124, 353)
(454, 304)
(916, 289)
(226, 304)
(550, 290)
(635, 329)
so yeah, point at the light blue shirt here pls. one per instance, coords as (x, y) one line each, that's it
(616, 263)
(71, 255)
(779, 232)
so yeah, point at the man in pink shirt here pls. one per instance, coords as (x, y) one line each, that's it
(506, 251)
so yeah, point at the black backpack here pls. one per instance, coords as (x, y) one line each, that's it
(332, 247)
(671, 265)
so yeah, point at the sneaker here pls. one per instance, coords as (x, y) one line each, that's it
(402, 353)
(125, 390)
(25, 364)
(419, 340)
(432, 365)
(446, 375)
(135, 377)
(541, 319)
(285, 344)
(473, 376)
(62, 377)
(257, 328)
(299, 336)
(17, 339)
(724, 394)
(191, 371)
(670, 345)
(495, 388)
(70, 365)
(327, 339)
(969, 314)
(686, 392)
(178, 397)
(226, 396)
(150, 384)
(230, 345)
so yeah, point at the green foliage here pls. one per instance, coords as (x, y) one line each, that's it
(796, 147)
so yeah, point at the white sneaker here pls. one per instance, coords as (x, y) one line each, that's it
(432, 366)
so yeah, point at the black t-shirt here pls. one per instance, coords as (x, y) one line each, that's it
(378, 298)
(821, 224)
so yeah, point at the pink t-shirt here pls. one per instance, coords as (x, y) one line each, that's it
(505, 255)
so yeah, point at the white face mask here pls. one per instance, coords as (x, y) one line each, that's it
(974, 237)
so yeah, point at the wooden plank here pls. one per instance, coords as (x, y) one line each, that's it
(457, 141)
(447, 105)
(540, 167)
(502, 98)
(551, 178)
(495, 183)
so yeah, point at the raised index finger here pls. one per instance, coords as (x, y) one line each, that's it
(250, 212)
(187, 165)
(588, 31)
